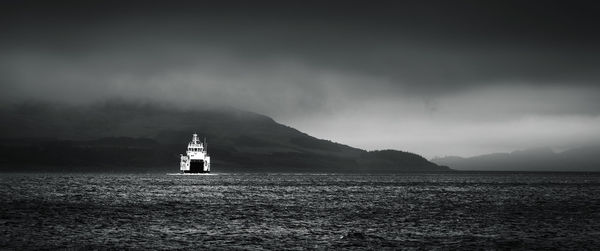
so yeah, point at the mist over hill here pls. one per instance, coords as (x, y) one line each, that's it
(538, 159)
(144, 137)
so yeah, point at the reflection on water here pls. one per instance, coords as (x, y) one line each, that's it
(508, 210)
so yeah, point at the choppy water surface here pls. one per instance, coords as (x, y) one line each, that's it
(300, 211)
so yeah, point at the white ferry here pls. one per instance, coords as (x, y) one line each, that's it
(196, 159)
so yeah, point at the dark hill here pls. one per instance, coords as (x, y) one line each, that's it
(120, 136)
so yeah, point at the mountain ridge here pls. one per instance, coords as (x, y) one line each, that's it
(580, 159)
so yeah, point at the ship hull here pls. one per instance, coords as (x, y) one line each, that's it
(190, 172)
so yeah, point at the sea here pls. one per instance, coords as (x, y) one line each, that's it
(462, 210)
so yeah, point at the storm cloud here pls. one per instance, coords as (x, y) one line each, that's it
(434, 77)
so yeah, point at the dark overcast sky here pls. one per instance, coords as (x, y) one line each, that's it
(433, 77)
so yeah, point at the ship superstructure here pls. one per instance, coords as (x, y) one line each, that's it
(196, 159)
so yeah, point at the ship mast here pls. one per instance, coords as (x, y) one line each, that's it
(195, 139)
